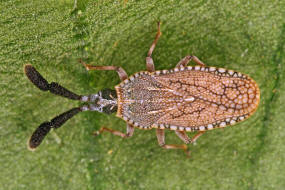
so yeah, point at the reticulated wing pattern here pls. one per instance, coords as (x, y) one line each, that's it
(188, 98)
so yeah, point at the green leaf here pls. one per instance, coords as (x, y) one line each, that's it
(247, 36)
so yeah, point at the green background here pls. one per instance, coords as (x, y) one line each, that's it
(243, 35)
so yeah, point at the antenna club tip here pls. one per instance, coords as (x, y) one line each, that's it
(39, 134)
(27, 67)
(29, 146)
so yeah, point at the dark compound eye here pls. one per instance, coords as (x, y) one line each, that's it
(108, 109)
(109, 94)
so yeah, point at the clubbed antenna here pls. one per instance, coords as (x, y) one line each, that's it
(39, 81)
(40, 133)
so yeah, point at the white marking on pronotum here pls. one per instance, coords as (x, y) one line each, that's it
(132, 78)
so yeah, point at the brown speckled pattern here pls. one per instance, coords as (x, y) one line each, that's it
(187, 98)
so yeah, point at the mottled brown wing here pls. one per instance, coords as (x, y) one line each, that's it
(191, 98)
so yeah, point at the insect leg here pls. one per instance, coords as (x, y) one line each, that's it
(129, 133)
(199, 134)
(183, 62)
(161, 141)
(149, 60)
(121, 72)
(196, 60)
(183, 136)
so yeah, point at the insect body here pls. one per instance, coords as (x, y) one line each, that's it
(187, 98)
(183, 99)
